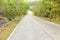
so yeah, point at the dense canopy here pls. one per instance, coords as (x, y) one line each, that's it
(13, 8)
(47, 8)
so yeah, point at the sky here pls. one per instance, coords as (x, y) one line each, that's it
(30, 0)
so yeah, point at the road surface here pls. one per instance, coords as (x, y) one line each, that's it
(33, 28)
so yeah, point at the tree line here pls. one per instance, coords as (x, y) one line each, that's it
(47, 8)
(13, 8)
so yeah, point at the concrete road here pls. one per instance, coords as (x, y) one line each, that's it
(33, 28)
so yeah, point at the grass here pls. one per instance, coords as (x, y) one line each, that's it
(6, 31)
(8, 28)
(52, 20)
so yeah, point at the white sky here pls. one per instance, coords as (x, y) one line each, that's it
(30, 0)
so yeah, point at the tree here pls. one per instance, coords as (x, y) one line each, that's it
(47, 8)
(13, 8)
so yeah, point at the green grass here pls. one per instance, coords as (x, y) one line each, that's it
(52, 20)
(8, 28)
(6, 31)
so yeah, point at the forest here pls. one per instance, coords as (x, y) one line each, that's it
(11, 12)
(13, 8)
(48, 9)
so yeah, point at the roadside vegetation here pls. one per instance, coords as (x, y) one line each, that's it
(11, 12)
(7, 29)
(48, 9)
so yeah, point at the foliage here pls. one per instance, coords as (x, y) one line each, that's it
(13, 8)
(47, 8)
(7, 29)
